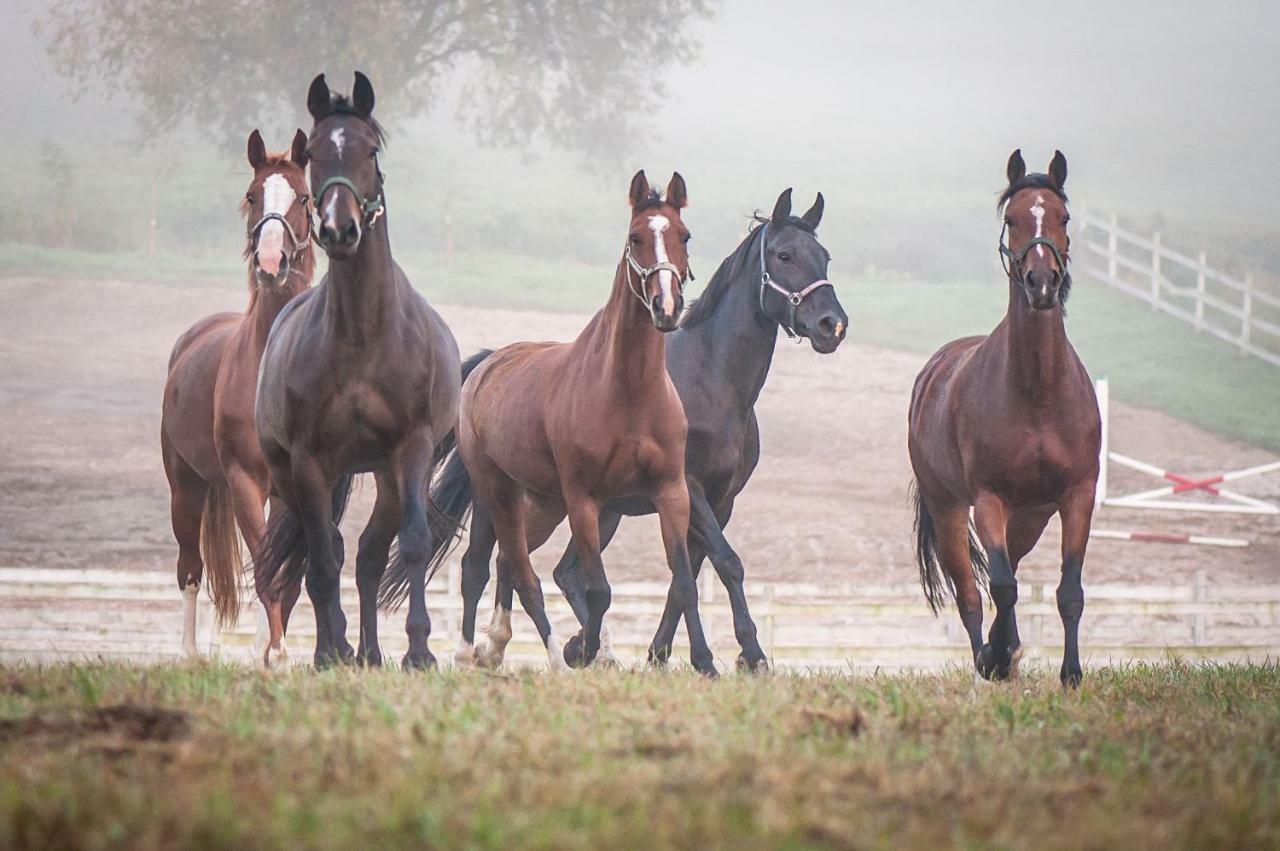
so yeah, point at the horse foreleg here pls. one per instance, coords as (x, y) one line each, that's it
(314, 492)
(1077, 516)
(186, 507)
(568, 573)
(672, 503)
(996, 658)
(415, 549)
(475, 576)
(371, 563)
(706, 526)
(584, 520)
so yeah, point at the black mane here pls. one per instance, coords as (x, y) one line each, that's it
(654, 200)
(340, 104)
(1030, 181)
(747, 252)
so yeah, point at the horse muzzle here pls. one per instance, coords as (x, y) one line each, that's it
(339, 238)
(662, 320)
(272, 269)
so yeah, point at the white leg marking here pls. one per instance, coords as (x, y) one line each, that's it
(262, 636)
(1037, 210)
(190, 596)
(604, 656)
(659, 225)
(489, 653)
(555, 653)
(465, 655)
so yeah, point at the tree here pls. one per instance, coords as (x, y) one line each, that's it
(576, 73)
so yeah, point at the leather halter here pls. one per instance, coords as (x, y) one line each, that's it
(297, 246)
(1013, 261)
(794, 297)
(644, 273)
(371, 209)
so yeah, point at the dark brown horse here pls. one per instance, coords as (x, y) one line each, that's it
(1008, 424)
(360, 375)
(207, 436)
(550, 430)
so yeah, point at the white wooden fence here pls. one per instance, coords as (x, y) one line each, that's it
(49, 614)
(1232, 309)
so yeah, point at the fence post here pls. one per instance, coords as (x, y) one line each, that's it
(1200, 276)
(1198, 620)
(1112, 248)
(1246, 312)
(1155, 270)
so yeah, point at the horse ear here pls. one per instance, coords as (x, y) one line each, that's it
(1058, 169)
(299, 151)
(257, 151)
(1017, 169)
(639, 192)
(319, 104)
(677, 192)
(362, 95)
(782, 209)
(814, 214)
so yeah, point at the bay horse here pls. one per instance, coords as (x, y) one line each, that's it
(719, 361)
(1008, 424)
(217, 475)
(550, 430)
(360, 375)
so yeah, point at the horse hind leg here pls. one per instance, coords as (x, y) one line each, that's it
(1024, 529)
(371, 563)
(475, 576)
(946, 546)
(186, 507)
(996, 658)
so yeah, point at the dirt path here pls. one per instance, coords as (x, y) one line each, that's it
(82, 364)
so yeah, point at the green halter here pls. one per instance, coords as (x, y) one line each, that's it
(370, 208)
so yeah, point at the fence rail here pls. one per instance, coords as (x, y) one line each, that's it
(53, 614)
(1232, 309)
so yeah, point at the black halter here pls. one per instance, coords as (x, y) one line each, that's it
(1012, 261)
(794, 297)
(296, 246)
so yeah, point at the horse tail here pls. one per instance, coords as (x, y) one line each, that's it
(449, 503)
(220, 550)
(282, 560)
(935, 581)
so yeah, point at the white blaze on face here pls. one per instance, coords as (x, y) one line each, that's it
(277, 197)
(338, 137)
(666, 280)
(1037, 210)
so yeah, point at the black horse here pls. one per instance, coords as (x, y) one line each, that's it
(718, 362)
(360, 375)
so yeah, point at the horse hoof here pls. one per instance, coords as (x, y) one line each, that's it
(1071, 676)
(752, 665)
(418, 661)
(707, 669)
(992, 666)
(606, 659)
(371, 659)
(464, 656)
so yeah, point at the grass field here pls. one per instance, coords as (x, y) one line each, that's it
(102, 756)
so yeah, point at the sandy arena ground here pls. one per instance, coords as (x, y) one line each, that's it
(82, 364)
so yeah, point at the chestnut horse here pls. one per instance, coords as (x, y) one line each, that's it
(1008, 424)
(360, 375)
(215, 469)
(550, 430)
(777, 277)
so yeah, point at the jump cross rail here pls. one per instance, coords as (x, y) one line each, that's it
(1231, 501)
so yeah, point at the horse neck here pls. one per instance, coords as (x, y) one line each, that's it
(265, 304)
(362, 291)
(736, 340)
(1036, 346)
(634, 351)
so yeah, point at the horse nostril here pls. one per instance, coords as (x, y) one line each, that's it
(352, 232)
(828, 326)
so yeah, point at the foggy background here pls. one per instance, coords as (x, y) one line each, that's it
(902, 117)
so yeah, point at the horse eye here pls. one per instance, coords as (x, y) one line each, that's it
(784, 257)
(635, 240)
(685, 239)
(248, 196)
(1065, 219)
